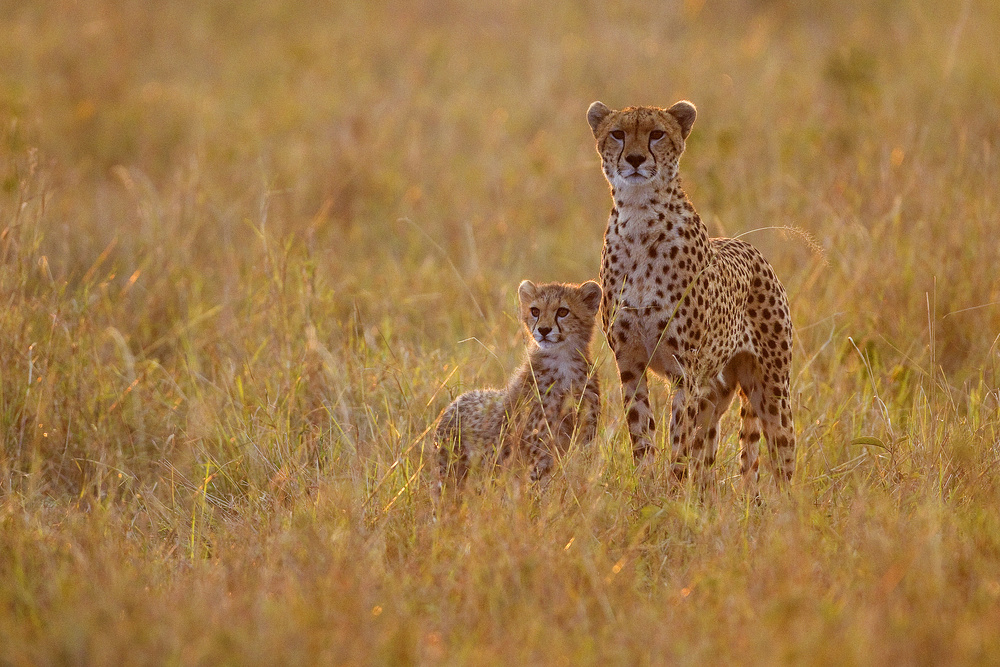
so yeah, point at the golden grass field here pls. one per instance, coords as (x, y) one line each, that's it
(249, 250)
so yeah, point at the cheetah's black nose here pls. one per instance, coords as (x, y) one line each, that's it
(544, 331)
(635, 160)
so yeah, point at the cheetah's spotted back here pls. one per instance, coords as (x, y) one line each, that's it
(709, 314)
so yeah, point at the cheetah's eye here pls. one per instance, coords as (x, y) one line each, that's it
(535, 312)
(562, 312)
(618, 135)
(655, 135)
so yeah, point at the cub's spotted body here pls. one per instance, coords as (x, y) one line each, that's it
(707, 313)
(552, 400)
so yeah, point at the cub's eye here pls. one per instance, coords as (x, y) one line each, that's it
(535, 312)
(618, 135)
(562, 312)
(656, 134)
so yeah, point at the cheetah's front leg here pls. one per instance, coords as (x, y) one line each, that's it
(635, 398)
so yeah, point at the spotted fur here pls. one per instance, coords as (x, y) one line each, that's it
(707, 313)
(552, 400)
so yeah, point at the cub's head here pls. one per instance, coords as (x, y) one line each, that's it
(640, 145)
(558, 312)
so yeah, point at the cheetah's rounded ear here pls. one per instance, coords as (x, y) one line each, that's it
(685, 113)
(596, 114)
(591, 294)
(525, 291)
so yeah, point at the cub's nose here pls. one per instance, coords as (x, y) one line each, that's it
(544, 331)
(635, 160)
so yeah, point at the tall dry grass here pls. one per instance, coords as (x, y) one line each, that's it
(249, 250)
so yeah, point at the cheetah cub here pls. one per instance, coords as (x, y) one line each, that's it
(552, 400)
(707, 313)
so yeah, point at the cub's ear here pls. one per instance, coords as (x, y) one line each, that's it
(591, 294)
(596, 115)
(684, 112)
(525, 292)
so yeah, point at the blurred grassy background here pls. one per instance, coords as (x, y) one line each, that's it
(249, 250)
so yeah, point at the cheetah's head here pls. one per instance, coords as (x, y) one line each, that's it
(555, 313)
(640, 146)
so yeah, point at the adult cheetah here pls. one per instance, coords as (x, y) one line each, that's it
(707, 313)
(552, 400)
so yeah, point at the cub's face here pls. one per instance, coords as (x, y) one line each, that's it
(640, 145)
(555, 313)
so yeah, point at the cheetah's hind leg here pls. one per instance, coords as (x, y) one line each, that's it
(695, 426)
(749, 440)
(767, 409)
(453, 454)
(720, 392)
(453, 462)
